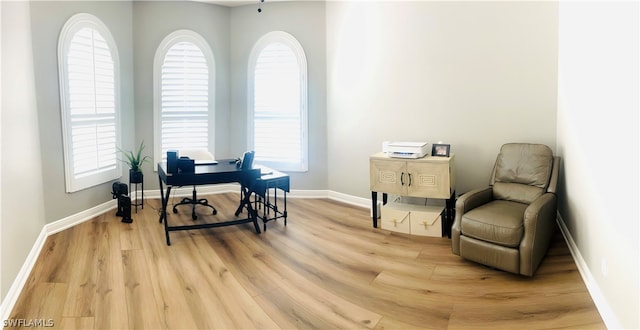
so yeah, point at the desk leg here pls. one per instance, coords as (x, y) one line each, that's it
(243, 197)
(246, 201)
(285, 208)
(252, 213)
(164, 198)
(164, 211)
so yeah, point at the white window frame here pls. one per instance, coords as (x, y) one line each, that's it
(72, 26)
(166, 44)
(296, 47)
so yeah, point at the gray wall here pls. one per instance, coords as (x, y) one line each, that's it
(154, 20)
(47, 19)
(598, 140)
(306, 22)
(472, 74)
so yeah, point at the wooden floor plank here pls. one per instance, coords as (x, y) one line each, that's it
(328, 268)
(110, 281)
(142, 312)
(76, 323)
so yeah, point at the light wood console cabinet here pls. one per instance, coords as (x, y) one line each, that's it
(426, 177)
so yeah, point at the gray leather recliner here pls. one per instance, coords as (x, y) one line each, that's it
(509, 224)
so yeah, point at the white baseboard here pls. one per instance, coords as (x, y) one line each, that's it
(78, 218)
(607, 314)
(16, 287)
(350, 199)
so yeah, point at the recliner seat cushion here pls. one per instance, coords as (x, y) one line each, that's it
(500, 222)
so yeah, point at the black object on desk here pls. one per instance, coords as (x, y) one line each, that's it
(225, 171)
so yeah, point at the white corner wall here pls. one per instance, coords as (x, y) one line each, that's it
(598, 141)
(22, 214)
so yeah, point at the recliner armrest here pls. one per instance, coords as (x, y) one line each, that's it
(539, 226)
(473, 199)
(465, 203)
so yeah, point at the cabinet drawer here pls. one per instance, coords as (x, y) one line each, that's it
(426, 221)
(412, 219)
(394, 217)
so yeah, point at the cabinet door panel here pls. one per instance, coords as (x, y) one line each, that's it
(388, 176)
(428, 179)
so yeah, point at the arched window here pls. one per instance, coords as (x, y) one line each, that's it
(88, 66)
(184, 90)
(277, 120)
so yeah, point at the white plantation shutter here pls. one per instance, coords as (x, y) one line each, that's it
(276, 114)
(184, 76)
(278, 111)
(185, 101)
(89, 102)
(92, 103)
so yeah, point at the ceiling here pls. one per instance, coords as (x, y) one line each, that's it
(236, 3)
(231, 3)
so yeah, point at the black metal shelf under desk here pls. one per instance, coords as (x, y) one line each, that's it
(270, 181)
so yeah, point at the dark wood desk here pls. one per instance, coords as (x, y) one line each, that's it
(223, 172)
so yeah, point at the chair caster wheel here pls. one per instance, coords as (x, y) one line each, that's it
(214, 212)
(175, 210)
(194, 216)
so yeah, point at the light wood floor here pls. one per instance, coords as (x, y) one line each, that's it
(328, 268)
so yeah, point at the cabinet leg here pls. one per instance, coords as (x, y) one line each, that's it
(374, 208)
(450, 212)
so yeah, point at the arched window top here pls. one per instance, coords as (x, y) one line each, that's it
(84, 21)
(180, 39)
(89, 68)
(280, 43)
(277, 98)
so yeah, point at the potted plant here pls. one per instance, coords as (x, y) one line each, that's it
(135, 161)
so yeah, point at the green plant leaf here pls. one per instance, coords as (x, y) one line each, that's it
(135, 160)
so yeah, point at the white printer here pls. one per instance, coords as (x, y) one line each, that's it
(405, 149)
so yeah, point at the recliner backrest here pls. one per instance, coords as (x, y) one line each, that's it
(522, 172)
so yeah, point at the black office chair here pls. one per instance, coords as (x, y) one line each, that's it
(195, 154)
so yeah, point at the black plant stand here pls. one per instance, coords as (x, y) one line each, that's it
(136, 177)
